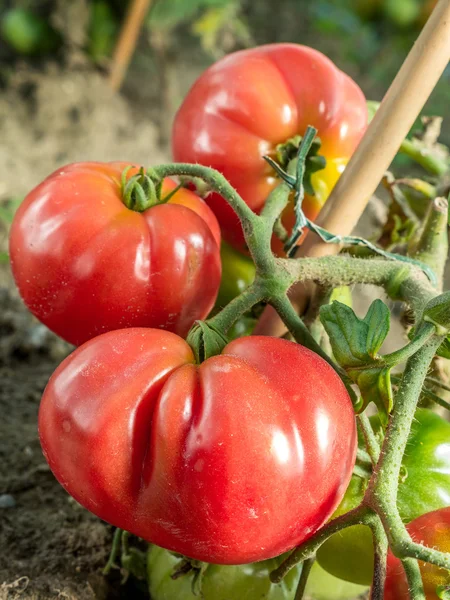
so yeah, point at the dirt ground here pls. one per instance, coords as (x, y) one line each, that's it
(50, 547)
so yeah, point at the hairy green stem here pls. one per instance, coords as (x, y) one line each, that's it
(306, 570)
(401, 281)
(237, 307)
(414, 578)
(372, 445)
(400, 355)
(363, 458)
(381, 493)
(380, 558)
(357, 516)
(115, 548)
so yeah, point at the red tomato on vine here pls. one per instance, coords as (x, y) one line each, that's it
(235, 460)
(85, 263)
(248, 104)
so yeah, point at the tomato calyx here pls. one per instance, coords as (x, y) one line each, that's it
(143, 190)
(205, 341)
(287, 151)
(195, 567)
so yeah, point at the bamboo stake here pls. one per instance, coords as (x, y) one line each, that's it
(127, 42)
(400, 107)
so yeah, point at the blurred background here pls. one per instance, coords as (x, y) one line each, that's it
(60, 102)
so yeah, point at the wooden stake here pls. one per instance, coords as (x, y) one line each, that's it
(127, 42)
(400, 107)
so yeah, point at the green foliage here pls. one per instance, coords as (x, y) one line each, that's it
(28, 33)
(8, 209)
(102, 31)
(167, 14)
(355, 343)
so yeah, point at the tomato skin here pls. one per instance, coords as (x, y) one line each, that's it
(205, 460)
(247, 103)
(433, 530)
(349, 554)
(84, 263)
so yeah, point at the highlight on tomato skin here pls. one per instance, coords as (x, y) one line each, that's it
(205, 460)
(248, 103)
(85, 263)
(432, 530)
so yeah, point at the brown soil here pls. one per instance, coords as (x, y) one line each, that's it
(50, 547)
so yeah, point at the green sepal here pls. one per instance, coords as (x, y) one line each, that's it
(437, 312)
(355, 343)
(375, 386)
(205, 341)
(314, 161)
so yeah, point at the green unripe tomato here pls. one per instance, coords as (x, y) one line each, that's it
(238, 272)
(242, 327)
(323, 586)
(28, 33)
(243, 582)
(424, 487)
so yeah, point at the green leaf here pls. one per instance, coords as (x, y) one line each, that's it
(355, 343)
(170, 13)
(4, 257)
(8, 209)
(378, 322)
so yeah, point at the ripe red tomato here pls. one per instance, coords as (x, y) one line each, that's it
(433, 530)
(235, 460)
(84, 263)
(247, 103)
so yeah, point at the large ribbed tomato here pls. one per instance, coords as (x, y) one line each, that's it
(84, 263)
(247, 103)
(235, 460)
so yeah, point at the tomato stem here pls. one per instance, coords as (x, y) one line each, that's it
(414, 578)
(380, 559)
(306, 570)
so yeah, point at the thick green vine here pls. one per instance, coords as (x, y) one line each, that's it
(405, 281)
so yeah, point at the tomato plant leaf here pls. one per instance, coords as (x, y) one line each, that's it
(355, 343)
(378, 321)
